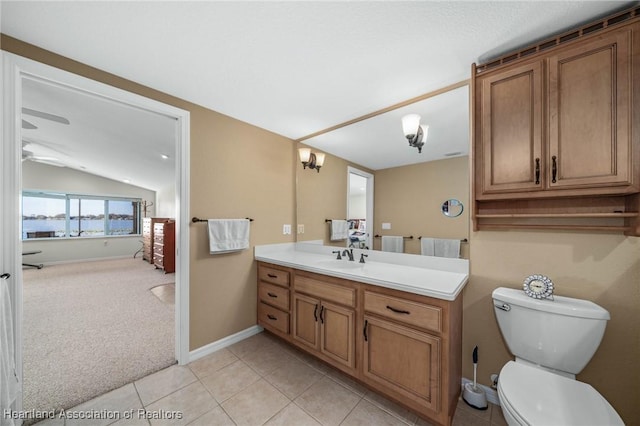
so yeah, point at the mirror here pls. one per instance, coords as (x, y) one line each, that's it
(408, 187)
(452, 208)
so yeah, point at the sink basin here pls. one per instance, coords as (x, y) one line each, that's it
(340, 264)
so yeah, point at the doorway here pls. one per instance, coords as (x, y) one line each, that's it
(15, 71)
(360, 208)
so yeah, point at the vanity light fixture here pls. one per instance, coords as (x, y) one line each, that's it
(415, 132)
(310, 159)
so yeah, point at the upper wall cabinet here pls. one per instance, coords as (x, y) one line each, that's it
(511, 131)
(556, 137)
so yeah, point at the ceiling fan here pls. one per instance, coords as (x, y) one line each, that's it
(29, 155)
(40, 114)
(52, 161)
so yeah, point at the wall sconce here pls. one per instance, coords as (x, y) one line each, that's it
(415, 132)
(310, 159)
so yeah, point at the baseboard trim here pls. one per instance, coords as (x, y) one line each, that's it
(223, 343)
(492, 395)
(89, 259)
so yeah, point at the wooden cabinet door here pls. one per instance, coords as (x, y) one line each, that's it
(589, 113)
(511, 120)
(402, 360)
(306, 325)
(337, 338)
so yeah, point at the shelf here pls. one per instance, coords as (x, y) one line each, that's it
(603, 228)
(557, 215)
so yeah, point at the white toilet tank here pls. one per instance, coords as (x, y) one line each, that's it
(560, 334)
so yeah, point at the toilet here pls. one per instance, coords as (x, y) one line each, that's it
(552, 340)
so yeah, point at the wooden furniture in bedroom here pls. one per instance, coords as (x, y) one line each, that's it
(164, 246)
(147, 236)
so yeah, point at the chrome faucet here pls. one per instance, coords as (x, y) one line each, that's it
(348, 253)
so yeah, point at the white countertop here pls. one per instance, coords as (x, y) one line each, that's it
(431, 276)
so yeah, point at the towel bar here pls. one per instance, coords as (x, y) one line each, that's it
(410, 237)
(464, 240)
(195, 219)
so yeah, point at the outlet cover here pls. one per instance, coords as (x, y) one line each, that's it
(300, 229)
(386, 225)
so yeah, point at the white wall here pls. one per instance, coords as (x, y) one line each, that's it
(37, 176)
(166, 202)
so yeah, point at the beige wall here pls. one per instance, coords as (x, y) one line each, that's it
(322, 196)
(601, 268)
(410, 198)
(237, 170)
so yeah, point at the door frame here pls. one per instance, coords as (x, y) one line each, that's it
(14, 69)
(369, 177)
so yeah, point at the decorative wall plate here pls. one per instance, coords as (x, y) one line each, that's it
(538, 287)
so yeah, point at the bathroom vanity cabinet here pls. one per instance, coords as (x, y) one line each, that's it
(324, 314)
(555, 139)
(403, 345)
(274, 299)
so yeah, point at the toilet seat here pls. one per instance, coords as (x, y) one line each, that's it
(532, 396)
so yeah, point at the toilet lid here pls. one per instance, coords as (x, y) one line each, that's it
(543, 398)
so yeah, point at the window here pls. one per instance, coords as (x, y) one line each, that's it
(49, 215)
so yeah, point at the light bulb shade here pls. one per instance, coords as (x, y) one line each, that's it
(425, 132)
(410, 124)
(304, 153)
(319, 159)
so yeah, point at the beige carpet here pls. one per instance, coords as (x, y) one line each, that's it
(92, 327)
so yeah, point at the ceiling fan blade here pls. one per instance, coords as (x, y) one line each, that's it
(45, 115)
(48, 161)
(51, 161)
(27, 125)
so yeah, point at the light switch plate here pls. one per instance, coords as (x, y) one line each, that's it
(286, 229)
(386, 225)
(300, 229)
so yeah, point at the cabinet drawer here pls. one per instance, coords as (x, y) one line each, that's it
(408, 312)
(274, 295)
(272, 317)
(272, 275)
(158, 260)
(326, 291)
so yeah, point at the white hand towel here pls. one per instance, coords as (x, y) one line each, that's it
(393, 244)
(228, 235)
(8, 381)
(447, 248)
(339, 229)
(427, 246)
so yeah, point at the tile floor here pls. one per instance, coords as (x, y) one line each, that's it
(258, 381)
